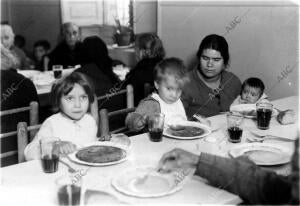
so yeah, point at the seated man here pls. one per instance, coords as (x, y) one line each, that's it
(69, 51)
(239, 176)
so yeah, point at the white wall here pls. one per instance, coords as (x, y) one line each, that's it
(145, 16)
(263, 42)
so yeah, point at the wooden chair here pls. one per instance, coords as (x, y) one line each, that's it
(33, 110)
(22, 140)
(105, 116)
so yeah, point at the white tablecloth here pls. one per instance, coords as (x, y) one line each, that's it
(26, 184)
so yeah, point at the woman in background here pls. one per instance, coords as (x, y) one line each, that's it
(7, 40)
(149, 51)
(211, 89)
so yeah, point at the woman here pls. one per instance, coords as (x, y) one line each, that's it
(7, 40)
(149, 51)
(211, 89)
(97, 66)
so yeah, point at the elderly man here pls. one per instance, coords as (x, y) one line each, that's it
(69, 51)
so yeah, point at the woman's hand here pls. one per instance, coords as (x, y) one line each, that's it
(177, 159)
(66, 147)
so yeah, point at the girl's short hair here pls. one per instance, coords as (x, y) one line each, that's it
(152, 43)
(171, 67)
(217, 43)
(254, 82)
(65, 85)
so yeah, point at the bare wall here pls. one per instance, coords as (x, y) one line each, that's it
(263, 41)
(35, 19)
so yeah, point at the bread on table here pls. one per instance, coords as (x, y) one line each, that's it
(286, 117)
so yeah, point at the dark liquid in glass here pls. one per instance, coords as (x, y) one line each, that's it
(235, 134)
(69, 196)
(156, 135)
(263, 118)
(50, 165)
(57, 74)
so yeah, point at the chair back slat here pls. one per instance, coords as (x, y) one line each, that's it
(8, 134)
(22, 140)
(130, 96)
(14, 111)
(34, 117)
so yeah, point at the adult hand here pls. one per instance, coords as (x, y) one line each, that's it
(177, 159)
(66, 147)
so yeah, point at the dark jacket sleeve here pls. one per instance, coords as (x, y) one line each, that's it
(244, 178)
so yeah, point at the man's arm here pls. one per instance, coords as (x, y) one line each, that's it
(242, 177)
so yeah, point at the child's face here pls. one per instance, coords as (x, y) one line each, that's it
(76, 103)
(168, 89)
(39, 52)
(250, 94)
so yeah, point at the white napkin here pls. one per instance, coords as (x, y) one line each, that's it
(286, 131)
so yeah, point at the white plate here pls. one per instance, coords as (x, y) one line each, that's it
(115, 46)
(248, 108)
(263, 153)
(73, 157)
(155, 185)
(29, 73)
(206, 129)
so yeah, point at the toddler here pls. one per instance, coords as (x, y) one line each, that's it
(72, 98)
(251, 93)
(170, 75)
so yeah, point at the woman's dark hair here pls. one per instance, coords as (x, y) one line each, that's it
(152, 43)
(95, 51)
(65, 85)
(42, 43)
(254, 82)
(217, 43)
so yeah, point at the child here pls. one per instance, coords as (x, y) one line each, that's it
(169, 77)
(252, 92)
(40, 50)
(72, 97)
(149, 51)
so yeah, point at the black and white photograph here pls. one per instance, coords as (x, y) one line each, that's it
(149, 102)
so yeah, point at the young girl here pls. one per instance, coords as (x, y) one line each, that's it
(169, 77)
(252, 92)
(72, 97)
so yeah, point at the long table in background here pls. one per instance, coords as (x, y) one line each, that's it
(27, 184)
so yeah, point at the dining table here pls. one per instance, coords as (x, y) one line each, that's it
(43, 82)
(26, 183)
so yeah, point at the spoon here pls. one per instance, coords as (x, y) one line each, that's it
(70, 169)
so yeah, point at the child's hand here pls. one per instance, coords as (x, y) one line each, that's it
(66, 147)
(139, 122)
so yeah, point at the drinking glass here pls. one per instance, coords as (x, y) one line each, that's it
(156, 126)
(49, 154)
(263, 114)
(69, 190)
(234, 129)
(57, 71)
